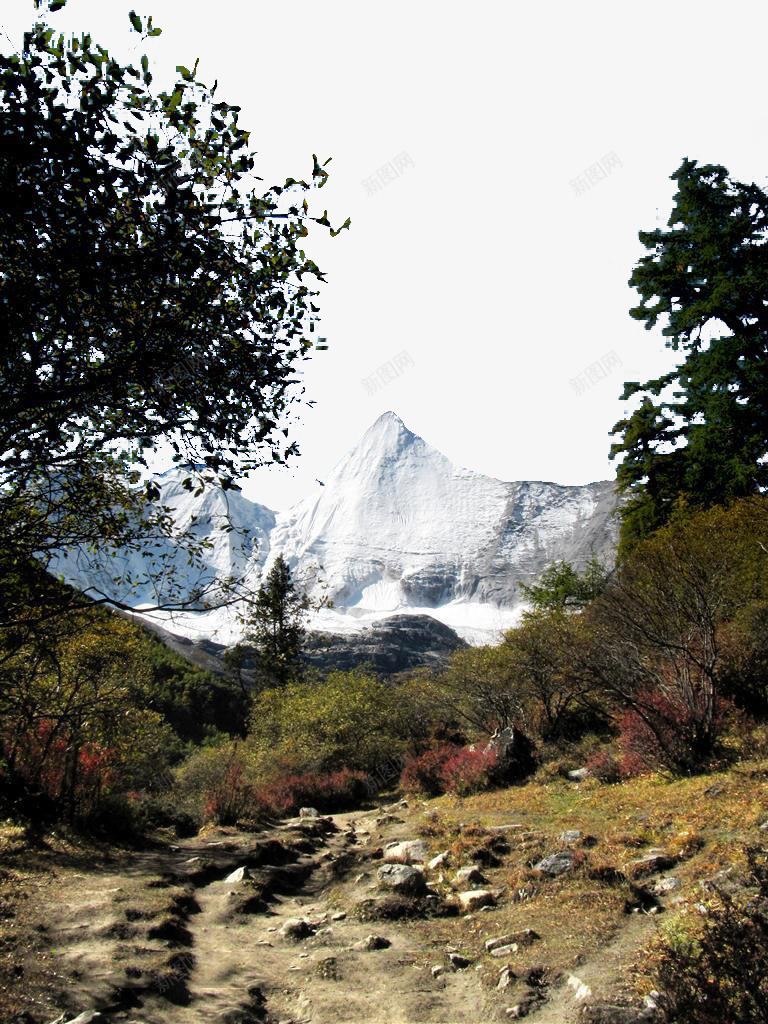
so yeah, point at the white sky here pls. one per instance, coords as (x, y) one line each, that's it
(479, 260)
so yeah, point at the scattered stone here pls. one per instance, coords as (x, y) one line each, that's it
(339, 915)
(437, 970)
(328, 968)
(471, 875)
(578, 774)
(503, 828)
(667, 884)
(87, 1017)
(309, 812)
(389, 819)
(507, 977)
(524, 938)
(517, 1012)
(362, 877)
(296, 928)
(459, 962)
(238, 875)
(372, 942)
(650, 864)
(555, 864)
(411, 851)
(604, 1013)
(475, 899)
(581, 990)
(401, 878)
(439, 861)
(572, 835)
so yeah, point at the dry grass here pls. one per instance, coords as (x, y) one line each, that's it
(703, 821)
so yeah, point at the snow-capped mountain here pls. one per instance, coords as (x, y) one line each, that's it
(398, 528)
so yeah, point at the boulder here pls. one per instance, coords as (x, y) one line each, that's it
(372, 942)
(555, 864)
(296, 928)
(572, 835)
(578, 774)
(402, 878)
(526, 937)
(475, 899)
(471, 875)
(504, 951)
(339, 915)
(389, 819)
(309, 812)
(410, 851)
(87, 1017)
(439, 861)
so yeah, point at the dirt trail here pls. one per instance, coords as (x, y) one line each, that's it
(192, 933)
(598, 974)
(167, 940)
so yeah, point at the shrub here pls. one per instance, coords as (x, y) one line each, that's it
(423, 773)
(718, 970)
(286, 792)
(469, 771)
(449, 768)
(231, 797)
(668, 732)
(605, 766)
(349, 720)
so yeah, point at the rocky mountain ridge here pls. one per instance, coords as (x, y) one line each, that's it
(396, 529)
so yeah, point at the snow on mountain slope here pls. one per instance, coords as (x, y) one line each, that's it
(399, 528)
(168, 571)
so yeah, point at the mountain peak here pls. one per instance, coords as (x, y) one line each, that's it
(386, 436)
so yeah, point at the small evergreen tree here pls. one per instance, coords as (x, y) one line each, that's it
(276, 626)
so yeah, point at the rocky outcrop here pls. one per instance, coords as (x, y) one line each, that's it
(395, 644)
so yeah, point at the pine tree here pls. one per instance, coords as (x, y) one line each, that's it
(699, 436)
(276, 626)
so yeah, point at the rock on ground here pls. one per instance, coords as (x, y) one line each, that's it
(470, 875)
(555, 864)
(411, 851)
(401, 878)
(474, 899)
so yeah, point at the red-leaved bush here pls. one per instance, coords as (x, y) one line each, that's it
(668, 732)
(423, 773)
(449, 768)
(231, 798)
(469, 771)
(605, 766)
(49, 764)
(329, 792)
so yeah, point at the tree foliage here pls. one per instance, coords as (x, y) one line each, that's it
(561, 586)
(149, 290)
(700, 431)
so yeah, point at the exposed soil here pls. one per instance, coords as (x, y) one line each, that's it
(162, 936)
